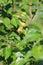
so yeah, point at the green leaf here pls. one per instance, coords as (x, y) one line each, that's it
(18, 54)
(37, 52)
(20, 61)
(32, 35)
(13, 63)
(7, 52)
(1, 21)
(1, 52)
(6, 22)
(13, 34)
(15, 21)
(10, 10)
(2, 37)
(14, 56)
(27, 56)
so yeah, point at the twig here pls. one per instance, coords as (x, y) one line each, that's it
(30, 12)
(35, 43)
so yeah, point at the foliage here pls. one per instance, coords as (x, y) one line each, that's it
(21, 32)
